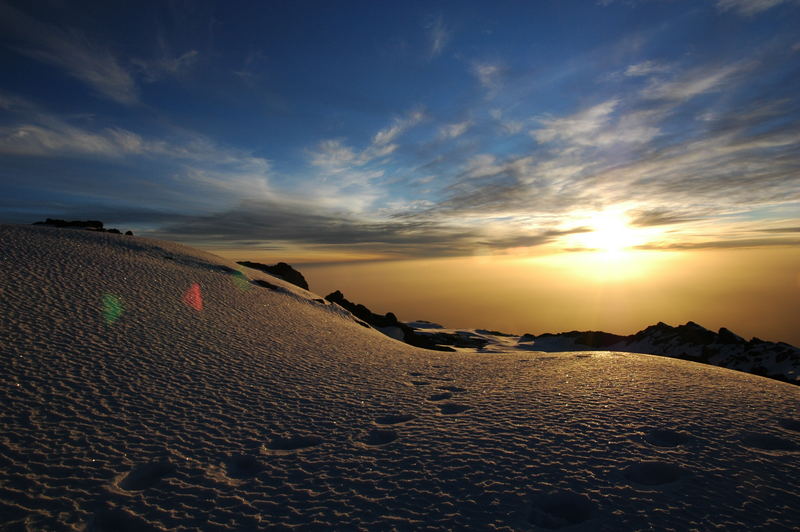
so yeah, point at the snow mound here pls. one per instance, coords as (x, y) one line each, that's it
(150, 386)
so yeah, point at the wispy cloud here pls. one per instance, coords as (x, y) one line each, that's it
(332, 153)
(723, 244)
(293, 221)
(694, 82)
(597, 126)
(345, 177)
(780, 230)
(70, 50)
(579, 128)
(167, 65)
(197, 163)
(51, 136)
(37, 133)
(451, 131)
(749, 7)
(62, 139)
(532, 239)
(398, 127)
(742, 7)
(659, 217)
(438, 35)
(647, 68)
(508, 126)
(489, 75)
(248, 71)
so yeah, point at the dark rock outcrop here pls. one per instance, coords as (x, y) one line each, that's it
(89, 225)
(456, 339)
(595, 339)
(281, 270)
(378, 321)
(496, 333)
(94, 225)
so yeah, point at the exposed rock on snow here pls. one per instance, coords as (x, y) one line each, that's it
(387, 323)
(432, 336)
(265, 409)
(91, 225)
(94, 225)
(423, 324)
(282, 270)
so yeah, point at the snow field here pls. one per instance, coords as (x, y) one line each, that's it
(269, 408)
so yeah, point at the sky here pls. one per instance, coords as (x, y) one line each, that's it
(602, 133)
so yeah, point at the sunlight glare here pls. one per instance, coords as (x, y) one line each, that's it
(608, 251)
(614, 266)
(610, 233)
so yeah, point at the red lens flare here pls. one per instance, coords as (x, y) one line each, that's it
(193, 298)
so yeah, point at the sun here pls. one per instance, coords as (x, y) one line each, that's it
(608, 249)
(609, 233)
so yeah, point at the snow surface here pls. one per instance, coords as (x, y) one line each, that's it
(124, 407)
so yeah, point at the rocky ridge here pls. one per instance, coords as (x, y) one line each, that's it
(89, 225)
(281, 269)
(777, 360)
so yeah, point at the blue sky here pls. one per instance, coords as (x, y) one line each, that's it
(406, 129)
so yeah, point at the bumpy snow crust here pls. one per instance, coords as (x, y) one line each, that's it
(147, 385)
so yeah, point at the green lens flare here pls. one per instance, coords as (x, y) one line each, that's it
(241, 282)
(112, 308)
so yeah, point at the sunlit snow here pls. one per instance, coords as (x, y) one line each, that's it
(269, 407)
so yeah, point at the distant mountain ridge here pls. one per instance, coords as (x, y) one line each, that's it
(776, 360)
(691, 341)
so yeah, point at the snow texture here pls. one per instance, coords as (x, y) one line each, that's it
(124, 407)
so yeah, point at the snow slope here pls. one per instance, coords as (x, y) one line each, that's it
(146, 386)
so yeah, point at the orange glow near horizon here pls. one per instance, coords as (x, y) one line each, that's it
(606, 283)
(611, 265)
(754, 292)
